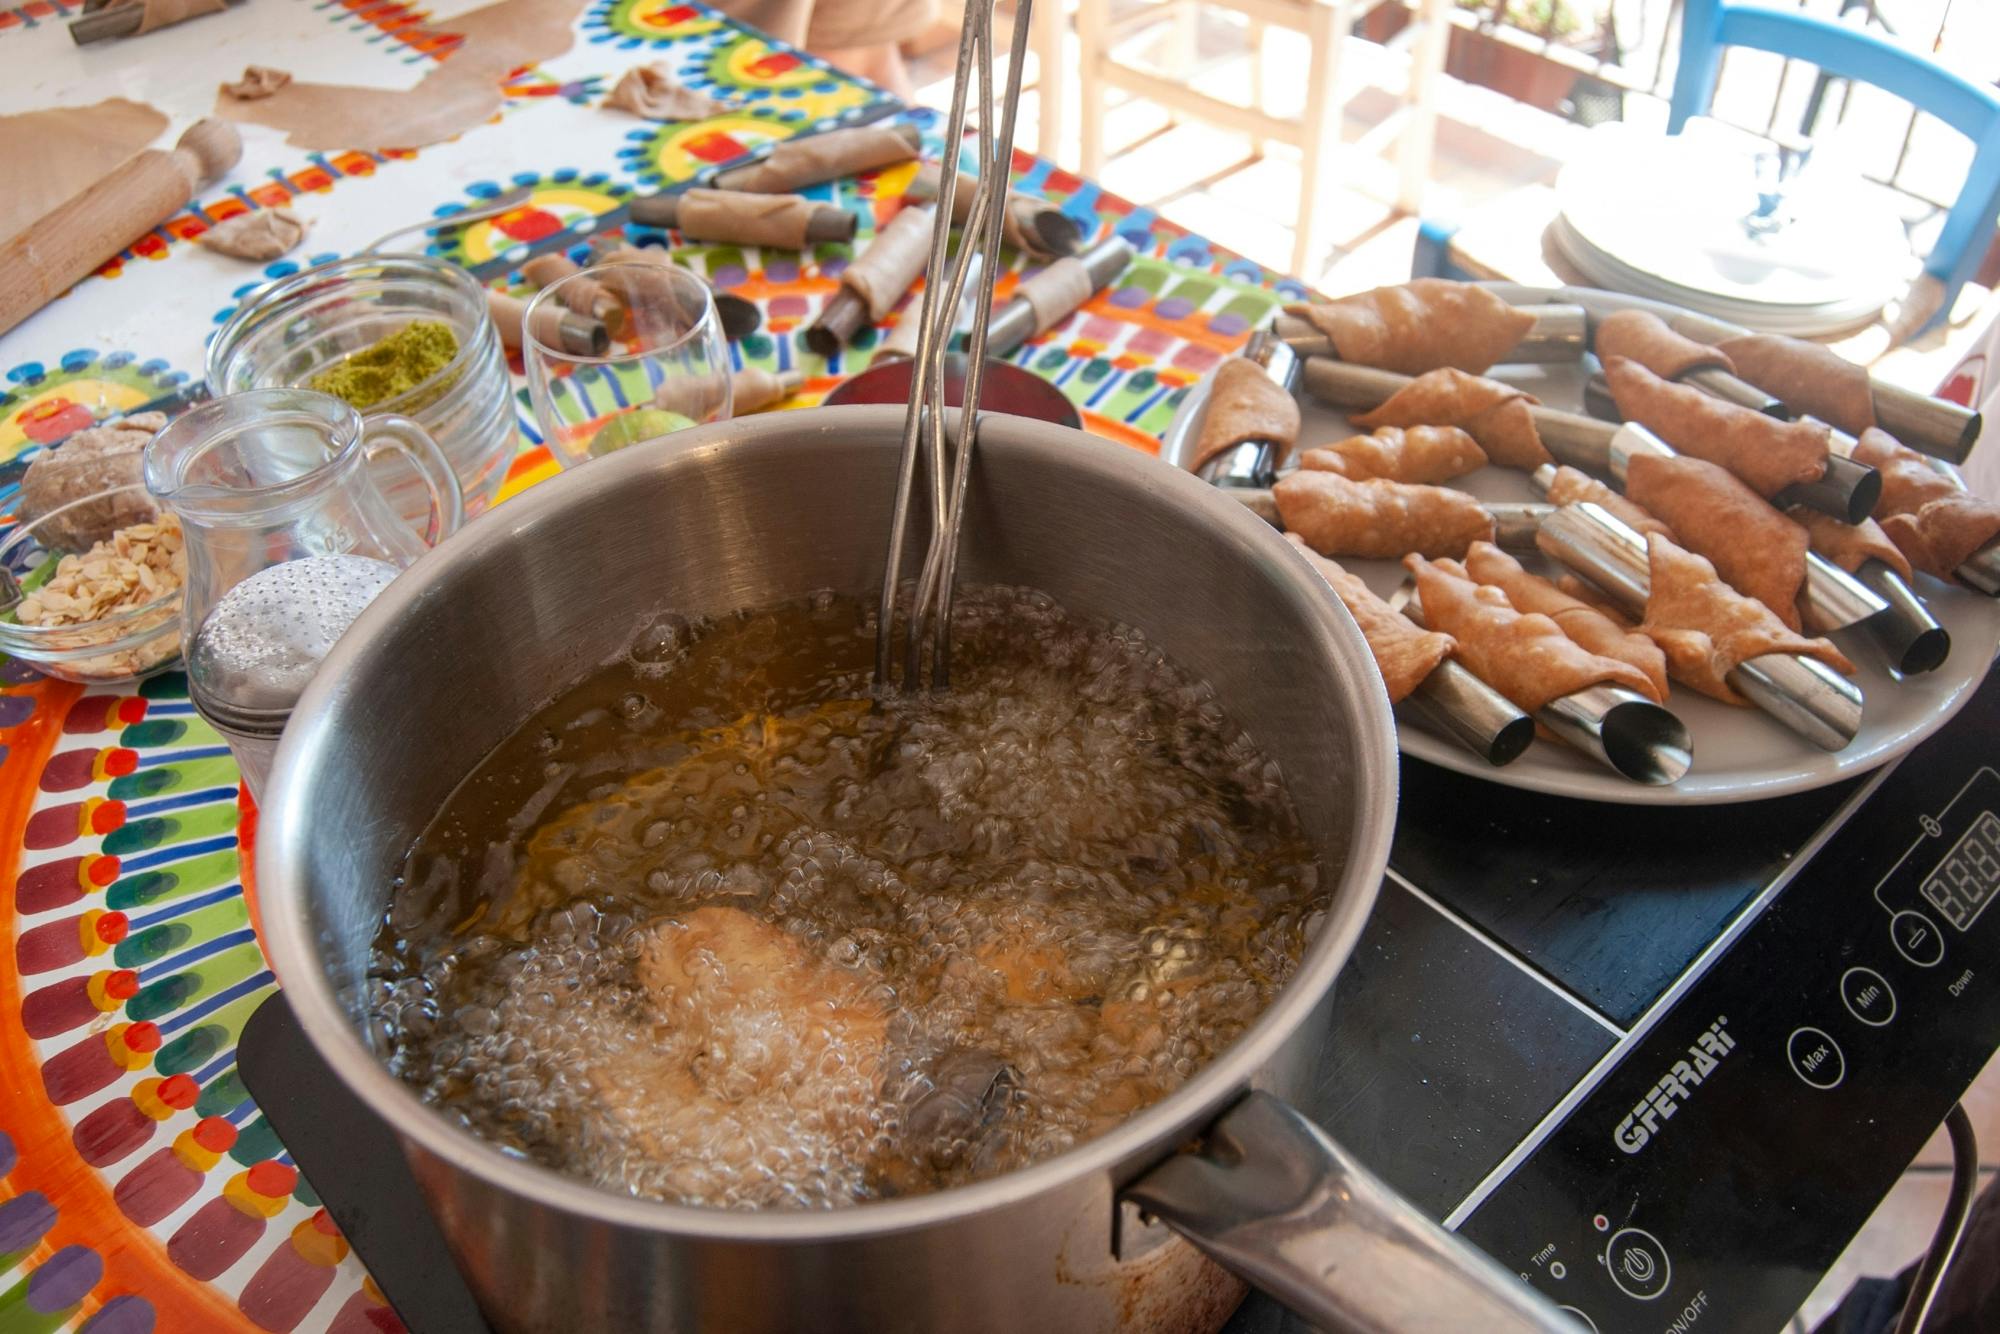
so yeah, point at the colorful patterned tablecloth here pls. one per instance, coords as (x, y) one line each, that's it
(140, 1188)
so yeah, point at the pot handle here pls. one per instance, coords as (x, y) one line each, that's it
(1268, 1196)
(408, 438)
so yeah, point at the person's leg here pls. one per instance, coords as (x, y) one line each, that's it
(882, 65)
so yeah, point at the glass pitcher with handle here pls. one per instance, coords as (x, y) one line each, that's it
(275, 475)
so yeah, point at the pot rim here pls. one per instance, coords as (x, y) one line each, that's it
(1149, 1134)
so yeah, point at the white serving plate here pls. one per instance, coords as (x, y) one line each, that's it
(1739, 754)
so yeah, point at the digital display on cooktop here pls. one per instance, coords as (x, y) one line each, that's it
(1966, 880)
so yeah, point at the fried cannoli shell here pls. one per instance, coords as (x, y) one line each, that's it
(1646, 338)
(1945, 533)
(1524, 656)
(1420, 326)
(1708, 629)
(1404, 653)
(1246, 404)
(1573, 487)
(1806, 377)
(1768, 454)
(1494, 414)
(1754, 548)
(1400, 454)
(1934, 523)
(1908, 483)
(1590, 628)
(1377, 519)
(1591, 596)
(1849, 545)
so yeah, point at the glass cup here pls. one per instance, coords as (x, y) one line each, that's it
(667, 366)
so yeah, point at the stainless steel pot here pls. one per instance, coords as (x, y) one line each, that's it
(484, 629)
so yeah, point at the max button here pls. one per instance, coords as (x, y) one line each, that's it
(1916, 938)
(1816, 1058)
(1867, 996)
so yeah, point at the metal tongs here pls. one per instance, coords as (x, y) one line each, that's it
(924, 427)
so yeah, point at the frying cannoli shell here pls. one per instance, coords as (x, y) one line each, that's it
(1377, 519)
(1768, 454)
(1404, 653)
(1420, 326)
(1908, 482)
(1754, 548)
(1945, 533)
(1707, 629)
(1494, 414)
(1806, 377)
(1849, 545)
(1400, 454)
(820, 157)
(1590, 628)
(1524, 656)
(1574, 487)
(1246, 404)
(1647, 339)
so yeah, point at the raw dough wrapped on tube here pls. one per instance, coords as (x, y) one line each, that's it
(1420, 326)
(1494, 414)
(1570, 486)
(1379, 520)
(1644, 337)
(1589, 627)
(1596, 704)
(1767, 454)
(823, 157)
(1423, 454)
(1707, 629)
(1755, 549)
(1404, 653)
(1808, 378)
(1246, 404)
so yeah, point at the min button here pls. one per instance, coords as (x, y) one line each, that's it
(1816, 1058)
(1867, 996)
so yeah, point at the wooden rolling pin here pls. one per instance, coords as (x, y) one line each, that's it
(62, 247)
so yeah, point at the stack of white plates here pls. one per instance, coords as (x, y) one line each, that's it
(1671, 218)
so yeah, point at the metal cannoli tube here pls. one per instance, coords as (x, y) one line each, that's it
(1515, 522)
(1906, 632)
(1254, 463)
(1454, 702)
(1721, 384)
(1559, 334)
(1929, 425)
(1024, 316)
(1806, 696)
(1983, 571)
(1619, 728)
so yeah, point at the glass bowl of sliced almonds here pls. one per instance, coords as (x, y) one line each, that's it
(91, 591)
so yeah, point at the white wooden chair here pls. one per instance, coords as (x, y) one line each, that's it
(1326, 25)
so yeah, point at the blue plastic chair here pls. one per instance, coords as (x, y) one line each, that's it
(1707, 26)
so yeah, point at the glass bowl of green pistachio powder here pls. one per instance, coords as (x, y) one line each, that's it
(405, 334)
